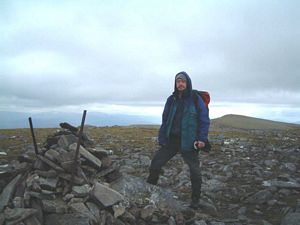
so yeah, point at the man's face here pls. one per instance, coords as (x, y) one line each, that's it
(180, 84)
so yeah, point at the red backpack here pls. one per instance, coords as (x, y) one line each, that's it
(203, 94)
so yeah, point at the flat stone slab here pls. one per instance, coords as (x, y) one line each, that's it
(105, 195)
(281, 184)
(86, 154)
(50, 163)
(16, 215)
(136, 188)
(53, 155)
(8, 191)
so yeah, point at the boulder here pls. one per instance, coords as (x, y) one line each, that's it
(105, 195)
(137, 190)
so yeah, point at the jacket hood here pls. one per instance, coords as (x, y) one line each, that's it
(188, 90)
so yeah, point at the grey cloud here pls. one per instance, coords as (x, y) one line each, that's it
(242, 51)
(256, 48)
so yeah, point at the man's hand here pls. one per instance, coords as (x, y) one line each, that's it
(199, 144)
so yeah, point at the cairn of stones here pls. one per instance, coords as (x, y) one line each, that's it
(43, 190)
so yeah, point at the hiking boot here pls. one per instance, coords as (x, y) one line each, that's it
(153, 177)
(151, 181)
(195, 204)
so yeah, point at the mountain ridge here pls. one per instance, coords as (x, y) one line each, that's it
(251, 123)
(15, 120)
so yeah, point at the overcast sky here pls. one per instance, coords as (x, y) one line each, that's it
(122, 56)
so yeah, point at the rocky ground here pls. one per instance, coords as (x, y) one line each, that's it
(249, 177)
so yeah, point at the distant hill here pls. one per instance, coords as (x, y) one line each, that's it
(246, 122)
(52, 119)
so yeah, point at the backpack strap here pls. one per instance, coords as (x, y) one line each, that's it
(206, 98)
(195, 100)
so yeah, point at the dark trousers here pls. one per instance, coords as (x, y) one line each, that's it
(165, 153)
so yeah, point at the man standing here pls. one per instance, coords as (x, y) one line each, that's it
(185, 124)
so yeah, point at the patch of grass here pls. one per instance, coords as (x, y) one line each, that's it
(18, 139)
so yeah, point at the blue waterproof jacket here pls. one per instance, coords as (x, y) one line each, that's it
(195, 119)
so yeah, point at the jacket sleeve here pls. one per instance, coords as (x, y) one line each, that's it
(162, 131)
(204, 121)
